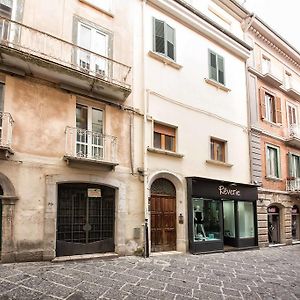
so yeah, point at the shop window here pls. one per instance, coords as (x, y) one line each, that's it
(164, 137)
(273, 161)
(216, 67)
(164, 39)
(270, 106)
(295, 223)
(206, 220)
(246, 219)
(217, 149)
(229, 218)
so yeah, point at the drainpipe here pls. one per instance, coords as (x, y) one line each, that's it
(145, 108)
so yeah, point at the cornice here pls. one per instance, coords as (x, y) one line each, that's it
(205, 26)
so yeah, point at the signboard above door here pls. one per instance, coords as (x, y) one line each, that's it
(94, 193)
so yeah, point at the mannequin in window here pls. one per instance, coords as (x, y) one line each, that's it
(198, 223)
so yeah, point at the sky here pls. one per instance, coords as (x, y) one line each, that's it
(281, 15)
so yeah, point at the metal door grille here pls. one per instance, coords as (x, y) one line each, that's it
(84, 225)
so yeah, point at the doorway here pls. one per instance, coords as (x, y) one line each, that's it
(229, 219)
(295, 224)
(163, 216)
(85, 219)
(273, 225)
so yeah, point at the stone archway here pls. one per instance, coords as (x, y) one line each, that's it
(181, 205)
(8, 199)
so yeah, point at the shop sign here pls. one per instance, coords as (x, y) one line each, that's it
(94, 193)
(273, 209)
(228, 191)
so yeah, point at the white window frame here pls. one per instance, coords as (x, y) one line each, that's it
(293, 164)
(293, 106)
(269, 108)
(89, 142)
(265, 65)
(92, 58)
(268, 167)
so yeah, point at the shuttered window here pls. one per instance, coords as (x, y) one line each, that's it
(216, 67)
(217, 150)
(294, 165)
(164, 39)
(270, 106)
(164, 137)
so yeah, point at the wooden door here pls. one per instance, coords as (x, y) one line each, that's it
(163, 223)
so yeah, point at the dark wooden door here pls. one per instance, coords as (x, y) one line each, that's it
(163, 223)
(84, 224)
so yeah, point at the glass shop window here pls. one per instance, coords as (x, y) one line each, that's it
(246, 219)
(206, 220)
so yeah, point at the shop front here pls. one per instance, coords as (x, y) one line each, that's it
(222, 215)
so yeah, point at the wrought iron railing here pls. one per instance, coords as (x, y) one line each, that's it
(85, 144)
(6, 123)
(293, 185)
(29, 40)
(293, 131)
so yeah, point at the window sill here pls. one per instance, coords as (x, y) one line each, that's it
(217, 85)
(272, 123)
(97, 8)
(273, 178)
(165, 60)
(166, 152)
(219, 163)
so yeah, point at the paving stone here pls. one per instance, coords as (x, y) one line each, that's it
(125, 278)
(231, 292)
(91, 291)
(116, 294)
(61, 279)
(156, 294)
(152, 284)
(179, 290)
(210, 288)
(135, 290)
(6, 286)
(22, 293)
(205, 295)
(17, 278)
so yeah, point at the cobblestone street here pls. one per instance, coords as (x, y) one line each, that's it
(271, 273)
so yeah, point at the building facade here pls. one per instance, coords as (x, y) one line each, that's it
(195, 128)
(66, 129)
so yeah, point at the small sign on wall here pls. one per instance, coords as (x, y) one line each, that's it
(94, 193)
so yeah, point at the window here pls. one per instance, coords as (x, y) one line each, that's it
(164, 137)
(217, 149)
(246, 219)
(265, 65)
(6, 8)
(164, 39)
(287, 80)
(270, 106)
(291, 114)
(216, 67)
(273, 162)
(89, 132)
(294, 164)
(102, 4)
(95, 41)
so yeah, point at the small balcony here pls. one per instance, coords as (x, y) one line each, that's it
(267, 77)
(6, 123)
(293, 185)
(25, 50)
(90, 147)
(293, 136)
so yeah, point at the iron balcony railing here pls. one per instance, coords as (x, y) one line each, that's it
(294, 131)
(32, 41)
(85, 144)
(6, 123)
(293, 185)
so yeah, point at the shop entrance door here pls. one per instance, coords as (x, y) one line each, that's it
(163, 223)
(230, 224)
(295, 224)
(273, 225)
(85, 219)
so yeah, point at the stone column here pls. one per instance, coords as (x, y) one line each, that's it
(8, 214)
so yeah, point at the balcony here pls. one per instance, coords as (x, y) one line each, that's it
(292, 93)
(268, 77)
(6, 123)
(27, 51)
(293, 136)
(89, 147)
(293, 185)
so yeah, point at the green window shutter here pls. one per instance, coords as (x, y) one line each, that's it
(159, 36)
(290, 164)
(170, 39)
(213, 66)
(221, 77)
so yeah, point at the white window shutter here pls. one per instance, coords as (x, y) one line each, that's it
(170, 38)
(213, 66)
(221, 77)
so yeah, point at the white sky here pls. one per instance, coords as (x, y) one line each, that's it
(282, 15)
